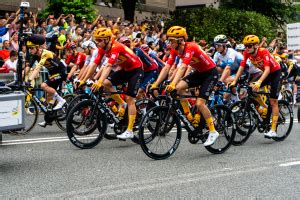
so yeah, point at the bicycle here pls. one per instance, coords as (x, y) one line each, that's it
(248, 118)
(95, 113)
(158, 122)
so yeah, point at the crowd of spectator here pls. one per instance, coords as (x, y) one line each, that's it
(63, 30)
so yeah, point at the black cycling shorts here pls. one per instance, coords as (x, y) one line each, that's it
(274, 80)
(207, 80)
(55, 81)
(133, 78)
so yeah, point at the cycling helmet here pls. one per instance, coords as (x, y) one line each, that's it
(35, 40)
(270, 49)
(145, 47)
(284, 56)
(102, 33)
(251, 39)
(240, 47)
(71, 46)
(202, 42)
(124, 39)
(220, 39)
(177, 32)
(87, 44)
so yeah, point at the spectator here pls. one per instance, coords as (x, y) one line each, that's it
(14, 45)
(11, 63)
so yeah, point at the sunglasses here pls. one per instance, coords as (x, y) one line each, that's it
(217, 45)
(249, 46)
(172, 40)
(31, 48)
(100, 40)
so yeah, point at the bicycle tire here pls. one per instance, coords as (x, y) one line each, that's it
(63, 117)
(242, 135)
(282, 120)
(224, 124)
(157, 115)
(98, 121)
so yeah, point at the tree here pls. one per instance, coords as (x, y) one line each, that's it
(281, 11)
(79, 8)
(208, 22)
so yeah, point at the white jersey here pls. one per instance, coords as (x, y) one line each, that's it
(90, 58)
(232, 58)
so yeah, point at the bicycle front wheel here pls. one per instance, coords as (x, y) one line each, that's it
(156, 139)
(285, 120)
(225, 125)
(82, 122)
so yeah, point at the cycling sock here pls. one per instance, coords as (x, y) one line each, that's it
(185, 106)
(210, 124)
(131, 119)
(118, 99)
(57, 97)
(274, 123)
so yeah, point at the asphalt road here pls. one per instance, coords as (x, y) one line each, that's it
(45, 165)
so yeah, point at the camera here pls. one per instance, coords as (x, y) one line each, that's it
(25, 5)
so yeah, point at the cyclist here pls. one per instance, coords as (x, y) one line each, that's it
(204, 74)
(263, 60)
(56, 69)
(75, 59)
(228, 61)
(130, 72)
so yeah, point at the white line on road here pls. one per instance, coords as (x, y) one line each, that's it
(290, 164)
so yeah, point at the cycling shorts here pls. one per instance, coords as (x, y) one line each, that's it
(55, 81)
(149, 77)
(274, 80)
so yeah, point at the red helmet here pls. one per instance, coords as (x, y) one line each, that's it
(124, 39)
(202, 42)
(71, 46)
(145, 47)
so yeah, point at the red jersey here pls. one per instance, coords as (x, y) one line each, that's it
(262, 59)
(78, 60)
(99, 57)
(121, 55)
(194, 56)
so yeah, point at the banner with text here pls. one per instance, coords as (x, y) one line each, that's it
(293, 36)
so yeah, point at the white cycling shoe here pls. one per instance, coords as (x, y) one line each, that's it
(126, 135)
(59, 105)
(270, 134)
(212, 136)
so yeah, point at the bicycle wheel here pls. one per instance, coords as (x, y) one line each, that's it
(285, 121)
(77, 99)
(31, 116)
(61, 114)
(245, 122)
(159, 143)
(224, 124)
(82, 134)
(287, 95)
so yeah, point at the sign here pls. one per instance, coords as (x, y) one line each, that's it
(11, 113)
(293, 36)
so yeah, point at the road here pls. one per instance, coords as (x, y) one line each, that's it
(45, 165)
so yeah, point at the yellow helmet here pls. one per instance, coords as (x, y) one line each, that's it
(177, 31)
(284, 56)
(31, 44)
(277, 58)
(251, 39)
(102, 33)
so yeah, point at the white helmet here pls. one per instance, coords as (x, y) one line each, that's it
(240, 47)
(87, 44)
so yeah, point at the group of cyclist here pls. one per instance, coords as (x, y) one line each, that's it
(111, 61)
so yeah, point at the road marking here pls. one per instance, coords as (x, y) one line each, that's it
(290, 164)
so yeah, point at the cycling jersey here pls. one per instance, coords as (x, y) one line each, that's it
(158, 61)
(91, 58)
(51, 62)
(121, 55)
(262, 59)
(194, 56)
(148, 63)
(78, 59)
(232, 59)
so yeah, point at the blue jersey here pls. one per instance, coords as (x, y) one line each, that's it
(232, 58)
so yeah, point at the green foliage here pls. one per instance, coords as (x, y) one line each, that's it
(281, 11)
(79, 8)
(206, 23)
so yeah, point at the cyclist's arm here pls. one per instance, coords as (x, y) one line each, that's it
(265, 74)
(226, 72)
(44, 57)
(180, 73)
(70, 74)
(90, 71)
(238, 74)
(107, 69)
(163, 74)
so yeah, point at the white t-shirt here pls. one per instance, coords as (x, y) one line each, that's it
(11, 65)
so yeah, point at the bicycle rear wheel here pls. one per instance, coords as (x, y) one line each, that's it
(156, 140)
(245, 122)
(82, 123)
(224, 124)
(285, 120)
(61, 120)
